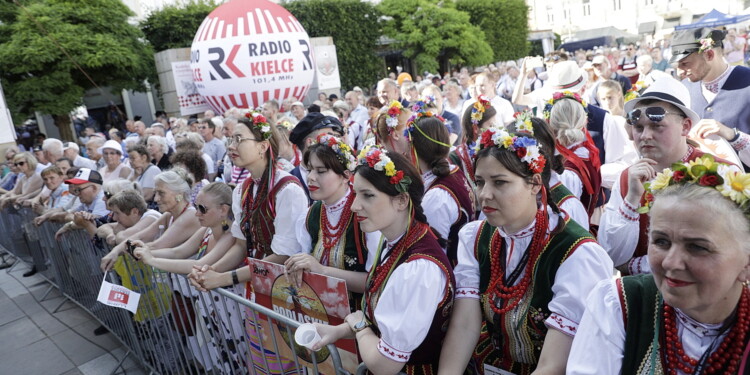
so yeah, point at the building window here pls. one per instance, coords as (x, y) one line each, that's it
(586, 8)
(617, 4)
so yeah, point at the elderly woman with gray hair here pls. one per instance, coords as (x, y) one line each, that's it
(28, 183)
(177, 223)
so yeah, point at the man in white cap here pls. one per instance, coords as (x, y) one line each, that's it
(615, 152)
(72, 152)
(719, 92)
(660, 121)
(298, 112)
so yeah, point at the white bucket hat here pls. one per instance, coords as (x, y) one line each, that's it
(669, 90)
(566, 76)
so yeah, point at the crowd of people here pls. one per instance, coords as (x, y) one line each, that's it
(554, 216)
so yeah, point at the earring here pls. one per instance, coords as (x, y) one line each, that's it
(224, 225)
(178, 198)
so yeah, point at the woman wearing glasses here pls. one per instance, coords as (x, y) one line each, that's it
(28, 183)
(177, 222)
(114, 167)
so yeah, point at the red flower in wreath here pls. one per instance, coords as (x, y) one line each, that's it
(486, 140)
(394, 111)
(709, 180)
(373, 158)
(397, 177)
(259, 119)
(678, 176)
(521, 152)
(648, 198)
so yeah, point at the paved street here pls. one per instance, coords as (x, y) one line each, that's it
(34, 340)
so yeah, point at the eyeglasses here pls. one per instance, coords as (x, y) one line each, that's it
(655, 114)
(76, 191)
(202, 127)
(20, 164)
(237, 139)
(106, 194)
(106, 153)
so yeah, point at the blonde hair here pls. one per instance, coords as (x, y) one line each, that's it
(568, 119)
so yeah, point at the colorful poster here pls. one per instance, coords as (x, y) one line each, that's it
(328, 67)
(190, 101)
(320, 299)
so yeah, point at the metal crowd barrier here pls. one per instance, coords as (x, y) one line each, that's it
(176, 329)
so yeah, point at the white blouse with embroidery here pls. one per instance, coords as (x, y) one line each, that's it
(575, 278)
(439, 207)
(599, 346)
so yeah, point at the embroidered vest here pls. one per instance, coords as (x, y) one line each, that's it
(559, 194)
(642, 309)
(456, 185)
(426, 357)
(643, 222)
(516, 342)
(350, 253)
(728, 105)
(261, 229)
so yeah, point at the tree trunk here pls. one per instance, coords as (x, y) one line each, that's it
(63, 124)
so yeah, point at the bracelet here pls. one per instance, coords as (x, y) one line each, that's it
(736, 136)
(235, 279)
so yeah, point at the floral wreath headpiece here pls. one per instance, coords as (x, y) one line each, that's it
(419, 112)
(377, 159)
(344, 153)
(477, 110)
(393, 111)
(706, 44)
(526, 148)
(560, 96)
(523, 122)
(704, 171)
(259, 122)
(286, 124)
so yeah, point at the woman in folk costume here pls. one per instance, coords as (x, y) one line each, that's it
(691, 315)
(558, 193)
(480, 116)
(409, 292)
(525, 270)
(566, 113)
(264, 206)
(448, 201)
(329, 236)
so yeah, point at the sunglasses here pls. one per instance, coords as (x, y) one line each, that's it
(108, 195)
(20, 164)
(655, 114)
(201, 208)
(552, 58)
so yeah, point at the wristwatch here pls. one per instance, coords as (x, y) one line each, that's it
(360, 325)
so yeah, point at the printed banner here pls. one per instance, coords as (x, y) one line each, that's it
(190, 101)
(328, 67)
(320, 299)
(118, 296)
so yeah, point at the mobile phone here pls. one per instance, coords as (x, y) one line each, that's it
(129, 247)
(534, 62)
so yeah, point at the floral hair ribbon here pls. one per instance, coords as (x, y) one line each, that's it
(478, 108)
(704, 171)
(523, 122)
(560, 96)
(377, 159)
(526, 148)
(418, 112)
(393, 111)
(259, 122)
(343, 152)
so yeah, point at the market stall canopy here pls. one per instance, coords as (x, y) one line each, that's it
(603, 36)
(714, 18)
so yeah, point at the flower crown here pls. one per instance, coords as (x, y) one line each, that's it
(419, 112)
(560, 96)
(259, 122)
(393, 111)
(704, 171)
(377, 159)
(343, 152)
(286, 124)
(523, 122)
(526, 148)
(477, 110)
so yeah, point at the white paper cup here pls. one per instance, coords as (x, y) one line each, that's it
(307, 335)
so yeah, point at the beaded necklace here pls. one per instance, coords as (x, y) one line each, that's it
(727, 356)
(331, 234)
(463, 154)
(381, 272)
(505, 297)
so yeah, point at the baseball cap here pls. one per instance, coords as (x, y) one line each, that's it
(85, 175)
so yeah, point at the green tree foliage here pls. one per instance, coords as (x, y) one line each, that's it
(56, 48)
(504, 22)
(174, 26)
(353, 25)
(434, 33)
